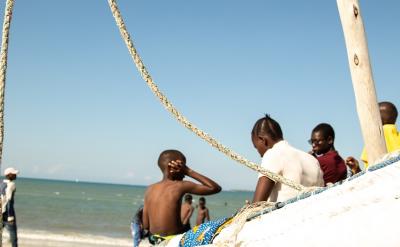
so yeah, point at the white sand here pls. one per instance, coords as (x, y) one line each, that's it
(31, 238)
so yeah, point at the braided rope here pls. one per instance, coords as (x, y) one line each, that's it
(3, 69)
(3, 66)
(185, 122)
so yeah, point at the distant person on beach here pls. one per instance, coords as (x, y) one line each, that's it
(323, 149)
(281, 158)
(186, 212)
(203, 214)
(162, 201)
(389, 115)
(7, 189)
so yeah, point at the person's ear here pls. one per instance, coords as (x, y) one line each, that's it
(264, 140)
(330, 140)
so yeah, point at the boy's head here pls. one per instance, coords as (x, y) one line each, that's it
(202, 202)
(322, 138)
(388, 112)
(166, 157)
(188, 198)
(265, 132)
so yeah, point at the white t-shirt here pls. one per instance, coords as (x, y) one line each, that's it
(292, 164)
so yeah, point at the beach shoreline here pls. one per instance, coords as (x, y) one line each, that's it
(32, 238)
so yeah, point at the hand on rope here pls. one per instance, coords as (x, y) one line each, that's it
(182, 119)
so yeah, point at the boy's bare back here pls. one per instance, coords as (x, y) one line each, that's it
(162, 203)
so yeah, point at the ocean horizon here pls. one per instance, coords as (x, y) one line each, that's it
(74, 211)
(111, 183)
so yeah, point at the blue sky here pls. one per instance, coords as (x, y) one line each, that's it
(76, 107)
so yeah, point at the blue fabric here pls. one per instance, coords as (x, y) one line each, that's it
(136, 227)
(202, 234)
(136, 233)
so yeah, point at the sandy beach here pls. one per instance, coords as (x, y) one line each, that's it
(30, 238)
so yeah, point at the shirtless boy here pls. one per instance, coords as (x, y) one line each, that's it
(202, 213)
(162, 201)
(186, 212)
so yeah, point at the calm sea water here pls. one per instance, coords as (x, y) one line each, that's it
(70, 208)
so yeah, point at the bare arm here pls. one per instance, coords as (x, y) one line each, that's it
(263, 189)
(187, 215)
(145, 217)
(207, 216)
(353, 164)
(207, 186)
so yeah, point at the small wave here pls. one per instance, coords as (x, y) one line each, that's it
(57, 193)
(76, 238)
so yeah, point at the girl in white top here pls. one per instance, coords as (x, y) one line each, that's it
(281, 158)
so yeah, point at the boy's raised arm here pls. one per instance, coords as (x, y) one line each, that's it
(207, 186)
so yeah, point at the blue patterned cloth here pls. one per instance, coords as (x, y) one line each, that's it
(204, 233)
(136, 227)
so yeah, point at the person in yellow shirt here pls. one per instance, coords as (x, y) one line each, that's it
(389, 114)
(392, 138)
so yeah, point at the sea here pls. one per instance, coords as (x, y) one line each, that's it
(93, 213)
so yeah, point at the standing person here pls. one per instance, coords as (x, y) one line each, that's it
(281, 158)
(7, 189)
(186, 212)
(203, 214)
(322, 142)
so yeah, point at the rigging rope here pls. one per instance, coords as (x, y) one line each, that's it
(3, 66)
(182, 119)
(3, 69)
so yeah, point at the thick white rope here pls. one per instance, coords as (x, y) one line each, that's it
(3, 70)
(183, 120)
(3, 66)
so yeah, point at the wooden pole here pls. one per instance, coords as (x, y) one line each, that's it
(363, 82)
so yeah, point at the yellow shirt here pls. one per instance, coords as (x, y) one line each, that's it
(392, 138)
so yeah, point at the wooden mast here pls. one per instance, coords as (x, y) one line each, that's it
(363, 82)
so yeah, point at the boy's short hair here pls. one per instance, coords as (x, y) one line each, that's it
(389, 115)
(168, 156)
(202, 199)
(188, 198)
(325, 129)
(267, 126)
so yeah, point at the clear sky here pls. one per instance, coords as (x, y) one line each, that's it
(76, 107)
